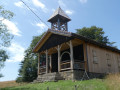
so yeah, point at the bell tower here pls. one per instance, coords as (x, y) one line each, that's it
(59, 20)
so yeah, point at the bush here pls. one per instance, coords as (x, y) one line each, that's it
(19, 79)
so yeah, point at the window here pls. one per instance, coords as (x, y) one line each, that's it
(108, 60)
(95, 58)
(118, 60)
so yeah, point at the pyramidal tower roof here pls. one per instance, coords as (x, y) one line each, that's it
(59, 12)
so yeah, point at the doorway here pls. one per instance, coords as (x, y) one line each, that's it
(54, 62)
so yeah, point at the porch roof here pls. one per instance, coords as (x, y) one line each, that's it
(53, 38)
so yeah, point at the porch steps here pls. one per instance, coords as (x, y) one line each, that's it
(49, 77)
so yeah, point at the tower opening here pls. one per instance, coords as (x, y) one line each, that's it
(59, 20)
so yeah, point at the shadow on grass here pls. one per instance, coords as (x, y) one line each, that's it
(24, 88)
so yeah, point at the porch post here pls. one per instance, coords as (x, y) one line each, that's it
(38, 63)
(71, 55)
(58, 58)
(50, 63)
(46, 61)
(85, 56)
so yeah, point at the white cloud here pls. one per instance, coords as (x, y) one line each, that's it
(61, 3)
(19, 4)
(83, 1)
(13, 29)
(69, 12)
(16, 52)
(37, 3)
(42, 27)
(53, 10)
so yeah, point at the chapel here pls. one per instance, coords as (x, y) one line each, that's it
(63, 55)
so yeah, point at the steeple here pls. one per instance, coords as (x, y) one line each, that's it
(59, 20)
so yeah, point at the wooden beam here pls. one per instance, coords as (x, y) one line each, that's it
(46, 61)
(58, 58)
(38, 63)
(85, 55)
(71, 55)
(50, 63)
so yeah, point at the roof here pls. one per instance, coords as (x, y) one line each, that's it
(95, 42)
(59, 12)
(49, 34)
(69, 36)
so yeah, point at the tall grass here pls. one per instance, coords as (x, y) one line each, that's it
(113, 81)
(10, 84)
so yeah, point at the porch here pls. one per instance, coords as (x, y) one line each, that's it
(70, 55)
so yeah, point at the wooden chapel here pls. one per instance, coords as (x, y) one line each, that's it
(63, 55)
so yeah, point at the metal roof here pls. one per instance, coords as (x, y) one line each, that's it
(60, 12)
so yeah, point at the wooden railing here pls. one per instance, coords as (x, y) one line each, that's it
(65, 65)
(42, 69)
(79, 64)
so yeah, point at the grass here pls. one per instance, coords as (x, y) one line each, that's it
(111, 82)
(95, 84)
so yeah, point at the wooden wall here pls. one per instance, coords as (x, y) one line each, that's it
(107, 61)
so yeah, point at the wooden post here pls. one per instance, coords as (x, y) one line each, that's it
(38, 63)
(66, 26)
(58, 58)
(46, 61)
(85, 56)
(58, 24)
(75, 87)
(50, 63)
(51, 25)
(71, 55)
(47, 88)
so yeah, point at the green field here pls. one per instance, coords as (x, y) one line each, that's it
(112, 82)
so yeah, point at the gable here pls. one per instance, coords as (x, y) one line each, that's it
(53, 41)
(52, 38)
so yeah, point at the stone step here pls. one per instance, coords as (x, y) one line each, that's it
(53, 77)
(49, 77)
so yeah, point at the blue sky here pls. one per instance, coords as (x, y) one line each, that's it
(25, 25)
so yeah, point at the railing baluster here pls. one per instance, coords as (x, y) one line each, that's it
(65, 65)
(42, 69)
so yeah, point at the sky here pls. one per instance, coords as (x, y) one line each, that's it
(83, 13)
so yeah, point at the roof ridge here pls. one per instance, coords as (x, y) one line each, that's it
(60, 12)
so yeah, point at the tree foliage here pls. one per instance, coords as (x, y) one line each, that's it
(5, 36)
(95, 33)
(28, 69)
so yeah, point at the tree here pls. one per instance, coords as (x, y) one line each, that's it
(5, 36)
(3, 57)
(96, 34)
(28, 69)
